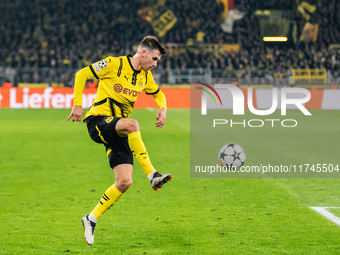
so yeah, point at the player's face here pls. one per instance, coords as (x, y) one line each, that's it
(150, 59)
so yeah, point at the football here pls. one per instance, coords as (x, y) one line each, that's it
(232, 155)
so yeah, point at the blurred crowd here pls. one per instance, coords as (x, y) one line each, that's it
(73, 34)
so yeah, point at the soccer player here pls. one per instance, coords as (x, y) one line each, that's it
(120, 82)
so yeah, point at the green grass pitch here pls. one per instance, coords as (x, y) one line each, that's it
(51, 174)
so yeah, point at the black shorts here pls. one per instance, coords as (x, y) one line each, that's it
(102, 129)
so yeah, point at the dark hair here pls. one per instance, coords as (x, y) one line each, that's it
(151, 42)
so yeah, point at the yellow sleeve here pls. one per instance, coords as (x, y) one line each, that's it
(100, 69)
(151, 86)
(160, 99)
(106, 67)
(153, 89)
(79, 84)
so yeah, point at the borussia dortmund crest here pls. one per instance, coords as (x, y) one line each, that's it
(109, 119)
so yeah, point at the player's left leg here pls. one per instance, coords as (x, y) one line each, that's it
(123, 176)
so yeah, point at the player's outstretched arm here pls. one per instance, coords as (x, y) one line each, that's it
(161, 113)
(80, 80)
(161, 118)
(77, 113)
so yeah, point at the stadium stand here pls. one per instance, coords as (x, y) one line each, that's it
(49, 39)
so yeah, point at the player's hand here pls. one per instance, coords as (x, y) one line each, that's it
(161, 117)
(77, 112)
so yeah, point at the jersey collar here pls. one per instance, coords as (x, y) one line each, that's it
(128, 58)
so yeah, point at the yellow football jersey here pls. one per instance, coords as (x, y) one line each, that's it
(118, 88)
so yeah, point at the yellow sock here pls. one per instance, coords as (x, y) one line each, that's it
(138, 148)
(110, 197)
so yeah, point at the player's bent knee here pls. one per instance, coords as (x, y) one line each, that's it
(133, 126)
(126, 126)
(123, 184)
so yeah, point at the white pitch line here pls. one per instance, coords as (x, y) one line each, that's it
(150, 109)
(324, 212)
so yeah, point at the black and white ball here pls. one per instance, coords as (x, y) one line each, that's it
(232, 155)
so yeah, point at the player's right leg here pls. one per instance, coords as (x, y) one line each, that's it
(130, 128)
(123, 176)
